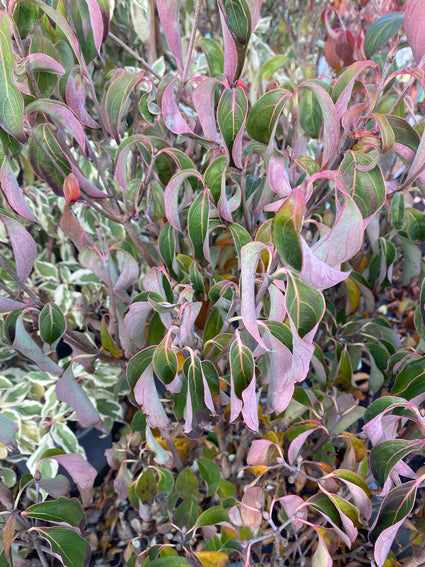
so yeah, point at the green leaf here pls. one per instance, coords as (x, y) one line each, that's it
(167, 247)
(286, 228)
(186, 514)
(165, 362)
(107, 341)
(366, 187)
(187, 485)
(380, 31)
(305, 305)
(231, 115)
(310, 114)
(272, 65)
(73, 550)
(214, 55)
(397, 211)
(198, 220)
(52, 323)
(238, 19)
(209, 472)
(214, 175)
(200, 412)
(386, 454)
(240, 236)
(264, 115)
(241, 366)
(12, 105)
(212, 516)
(60, 511)
(146, 486)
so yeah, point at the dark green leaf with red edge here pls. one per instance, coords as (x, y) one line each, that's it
(415, 224)
(231, 116)
(366, 187)
(241, 366)
(198, 223)
(409, 381)
(343, 87)
(61, 511)
(380, 31)
(52, 323)
(165, 362)
(325, 506)
(167, 247)
(236, 34)
(386, 454)
(264, 115)
(310, 114)
(395, 508)
(305, 305)
(69, 547)
(383, 404)
(387, 133)
(12, 107)
(214, 175)
(286, 229)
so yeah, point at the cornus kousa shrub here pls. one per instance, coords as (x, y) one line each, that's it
(214, 252)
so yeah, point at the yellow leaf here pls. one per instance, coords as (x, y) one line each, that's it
(212, 558)
(257, 470)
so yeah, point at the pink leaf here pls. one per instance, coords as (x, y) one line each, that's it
(277, 175)
(294, 505)
(86, 186)
(187, 326)
(7, 305)
(414, 23)
(72, 228)
(134, 322)
(81, 472)
(277, 304)
(124, 149)
(168, 11)
(298, 442)
(384, 542)
(259, 451)
(280, 386)
(252, 507)
(129, 269)
(77, 103)
(70, 391)
(203, 100)
(250, 256)
(171, 113)
(13, 192)
(230, 52)
(316, 273)
(96, 23)
(250, 406)
(254, 8)
(40, 62)
(63, 115)
(171, 196)
(147, 397)
(23, 246)
(347, 80)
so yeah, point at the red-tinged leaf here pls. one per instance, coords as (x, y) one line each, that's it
(250, 405)
(12, 107)
(198, 224)
(277, 175)
(96, 23)
(80, 470)
(252, 507)
(417, 165)
(91, 258)
(260, 451)
(51, 323)
(8, 431)
(39, 62)
(168, 11)
(286, 229)
(264, 115)
(294, 506)
(7, 305)
(345, 238)
(70, 391)
(24, 344)
(236, 23)
(231, 117)
(316, 273)
(138, 142)
(115, 102)
(71, 227)
(394, 509)
(189, 315)
(331, 129)
(250, 256)
(135, 320)
(255, 9)
(358, 489)
(387, 133)
(76, 103)
(146, 395)
(376, 427)
(71, 188)
(385, 455)
(128, 268)
(171, 113)
(281, 384)
(343, 88)
(328, 544)
(23, 246)
(171, 196)
(66, 545)
(414, 22)
(298, 434)
(60, 112)
(12, 191)
(203, 99)
(231, 58)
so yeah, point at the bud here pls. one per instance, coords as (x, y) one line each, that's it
(71, 188)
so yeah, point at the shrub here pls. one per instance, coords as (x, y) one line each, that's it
(218, 252)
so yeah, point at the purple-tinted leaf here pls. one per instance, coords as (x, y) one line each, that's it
(328, 543)
(77, 104)
(331, 129)
(70, 391)
(255, 9)
(294, 505)
(24, 344)
(96, 23)
(129, 269)
(171, 113)
(341, 93)
(418, 164)
(230, 52)
(316, 273)
(91, 258)
(252, 507)
(23, 245)
(250, 255)
(414, 22)
(358, 488)
(171, 196)
(187, 327)
(250, 405)
(12, 106)
(81, 472)
(13, 192)
(168, 11)
(147, 397)
(298, 435)
(60, 112)
(277, 175)
(8, 431)
(235, 18)
(143, 144)
(281, 385)
(203, 99)
(71, 227)
(40, 62)
(7, 305)
(231, 117)
(86, 186)
(134, 322)
(259, 451)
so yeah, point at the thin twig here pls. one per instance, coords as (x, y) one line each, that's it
(189, 55)
(139, 244)
(136, 56)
